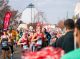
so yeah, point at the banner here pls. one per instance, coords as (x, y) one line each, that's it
(6, 20)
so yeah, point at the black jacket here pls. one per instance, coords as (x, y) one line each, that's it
(65, 42)
(68, 42)
(58, 42)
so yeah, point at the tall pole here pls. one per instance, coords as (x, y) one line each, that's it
(67, 15)
(31, 14)
(38, 17)
(31, 6)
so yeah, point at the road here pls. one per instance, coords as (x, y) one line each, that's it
(16, 55)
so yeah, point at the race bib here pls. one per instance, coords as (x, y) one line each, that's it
(4, 44)
(25, 47)
(39, 42)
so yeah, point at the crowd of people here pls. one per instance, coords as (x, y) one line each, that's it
(27, 40)
(35, 40)
(7, 42)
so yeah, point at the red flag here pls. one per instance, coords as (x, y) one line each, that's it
(6, 20)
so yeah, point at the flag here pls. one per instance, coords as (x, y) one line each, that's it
(7, 20)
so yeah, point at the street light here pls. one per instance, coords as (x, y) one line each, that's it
(31, 6)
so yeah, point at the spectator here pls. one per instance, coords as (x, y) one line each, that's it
(58, 42)
(76, 53)
(67, 41)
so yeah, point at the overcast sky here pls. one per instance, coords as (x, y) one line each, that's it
(54, 10)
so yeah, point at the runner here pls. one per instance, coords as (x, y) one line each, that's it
(17, 37)
(38, 38)
(11, 41)
(24, 42)
(14, 34)
(30, 35)
(5, 46)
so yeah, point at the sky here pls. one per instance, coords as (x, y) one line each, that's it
(54, 10)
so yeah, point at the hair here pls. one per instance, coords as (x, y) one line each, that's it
(10, 31)
(45, 29)
(77, 24)
(69, 23)
(5, 33)
(39, 27)
(17, 31)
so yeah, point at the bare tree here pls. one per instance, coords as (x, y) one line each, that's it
(6, 9)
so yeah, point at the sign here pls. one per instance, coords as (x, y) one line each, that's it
(6, 20)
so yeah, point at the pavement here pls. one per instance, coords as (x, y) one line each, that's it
(16, 55)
